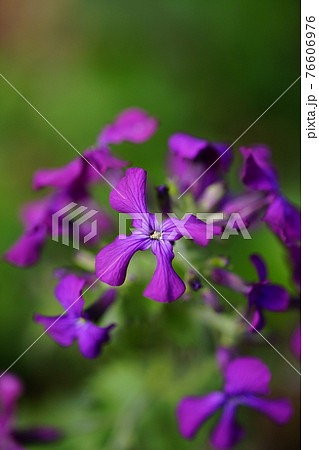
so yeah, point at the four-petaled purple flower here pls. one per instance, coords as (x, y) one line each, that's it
(261, 296)
(77, 324)
(191, 157)
(112, 260)
(246, 383)
(12, 438)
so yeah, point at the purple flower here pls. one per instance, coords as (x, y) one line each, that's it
(284, 220)
(259, 175)
(211, 299)
(132, 125)
(79, 174)
(246, 383)
(71, 184)
(77, 324)
(257, 172)
(195, 282)
(261, 296)
(12, 438)
(191, 156)
(112, 260)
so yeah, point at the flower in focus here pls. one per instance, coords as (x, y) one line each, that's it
(261, 296)
(76, 323)
(246, 384)
(191, 157)
(112, 261)
(12, 438)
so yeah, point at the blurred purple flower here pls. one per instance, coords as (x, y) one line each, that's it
(211, 299)
(112, 260)
(190, 157)
(132, 125)
(71, 184)
(284, 220)
(261, 296)
(257, 171)
(12, 438)
(246, 383)
(264, 197)
(77, 324)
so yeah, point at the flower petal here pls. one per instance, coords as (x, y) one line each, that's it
(284, 220)
(100, 160)
(98, 308)
(212, 299)
(193, 411)
(192, 159)
(132, 125)
(11, 389)
(230, 280)
(91, 338)
(248, 205)
(166, 285)
(247, 375)
(26, 251)
(279, 410)
(257, 320)
(36, 435)
(9, 443)
(37, 212)
(227, 432)
(63, 330)
(257, 172)
(69, 292)
(129, 195)
(112, 261)
(61, 177)
(269, 296)
(260, 267)
(189, 227)
(186, 146)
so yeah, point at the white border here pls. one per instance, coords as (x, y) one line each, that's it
(310, 247)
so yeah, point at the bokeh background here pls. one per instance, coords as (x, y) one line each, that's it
(205, 67)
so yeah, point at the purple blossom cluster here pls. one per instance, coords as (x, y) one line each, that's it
(11, 437)
(197, 168)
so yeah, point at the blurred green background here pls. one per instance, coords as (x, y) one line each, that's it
(206, 67)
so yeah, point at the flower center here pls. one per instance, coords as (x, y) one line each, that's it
(156, 235)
